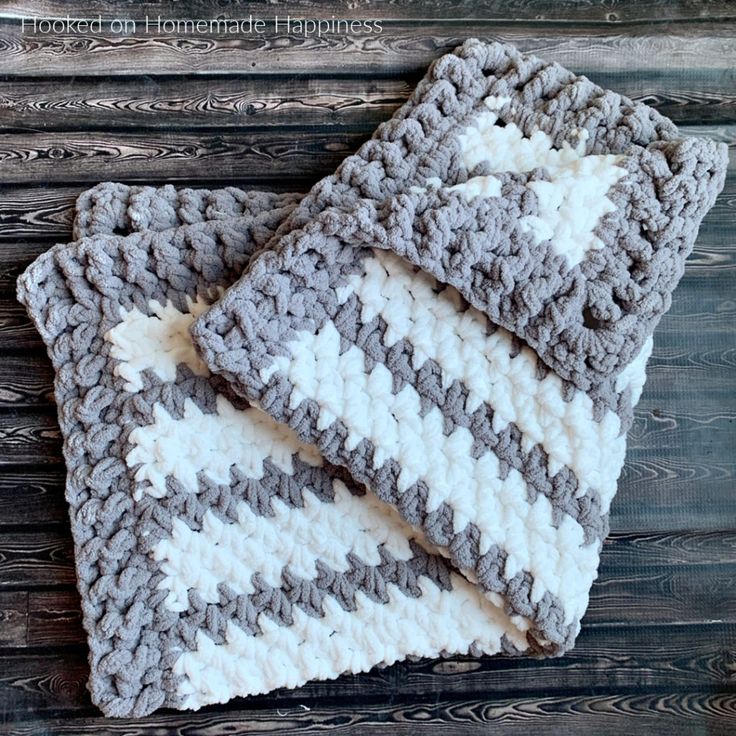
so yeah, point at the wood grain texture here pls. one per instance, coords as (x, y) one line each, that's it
(29, 438)
(170, 156)
(213, 102)
(401, 47)
(657, 653)
(624, 714)
(621, 714)
(26, 380)
(32, 496)
(30, 559)
(613, 11)
(237, 102)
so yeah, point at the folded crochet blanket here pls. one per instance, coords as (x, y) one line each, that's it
(218, 553)
(461, 315)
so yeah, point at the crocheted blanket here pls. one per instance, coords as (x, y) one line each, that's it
(399, 432)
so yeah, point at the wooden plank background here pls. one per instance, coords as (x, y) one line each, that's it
(657, 653)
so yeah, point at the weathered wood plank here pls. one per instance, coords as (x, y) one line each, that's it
(172, 156)
(54, 619)
(401, 47)
(43, 683)
(26, 380)
(621, 714)
(655, 658)
(34, 495)
(676, 490)
(13, 618)
(217, 102)
(29, 438)
(676, 714)
(614, 11)
(30, 559)
(40, 618)
(55, 104)
(657, 578)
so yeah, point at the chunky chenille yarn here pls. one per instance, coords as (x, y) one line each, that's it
(399, 433)
(461, 314)
(216, 554)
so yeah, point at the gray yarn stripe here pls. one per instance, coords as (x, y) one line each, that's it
(561, 489)
(308, 595)
(547, 615)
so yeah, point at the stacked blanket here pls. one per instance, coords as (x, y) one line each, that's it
(311, 434)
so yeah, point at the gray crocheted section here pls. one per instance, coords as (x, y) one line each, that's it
(112, 208)
(74, 294)
(586, 322)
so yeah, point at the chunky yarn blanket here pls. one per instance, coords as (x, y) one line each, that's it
(311, 434)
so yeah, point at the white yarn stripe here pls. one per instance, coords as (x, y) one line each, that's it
(231, 552)
(341, 641)
(297, 537)
(340, 384)
(159, 342)
(441, 328)
(571, 204)
(211, 443)
(159, 461)
(634, 375)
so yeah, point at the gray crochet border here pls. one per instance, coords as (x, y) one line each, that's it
(111, 208)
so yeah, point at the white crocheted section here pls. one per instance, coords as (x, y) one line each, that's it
(571, 203)
(442, 328)
(341, 641)
(633, 376)
(230, 553)
(339, 382)
(297, 537)
(211, 444)
(292, 537)
(157, 342)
